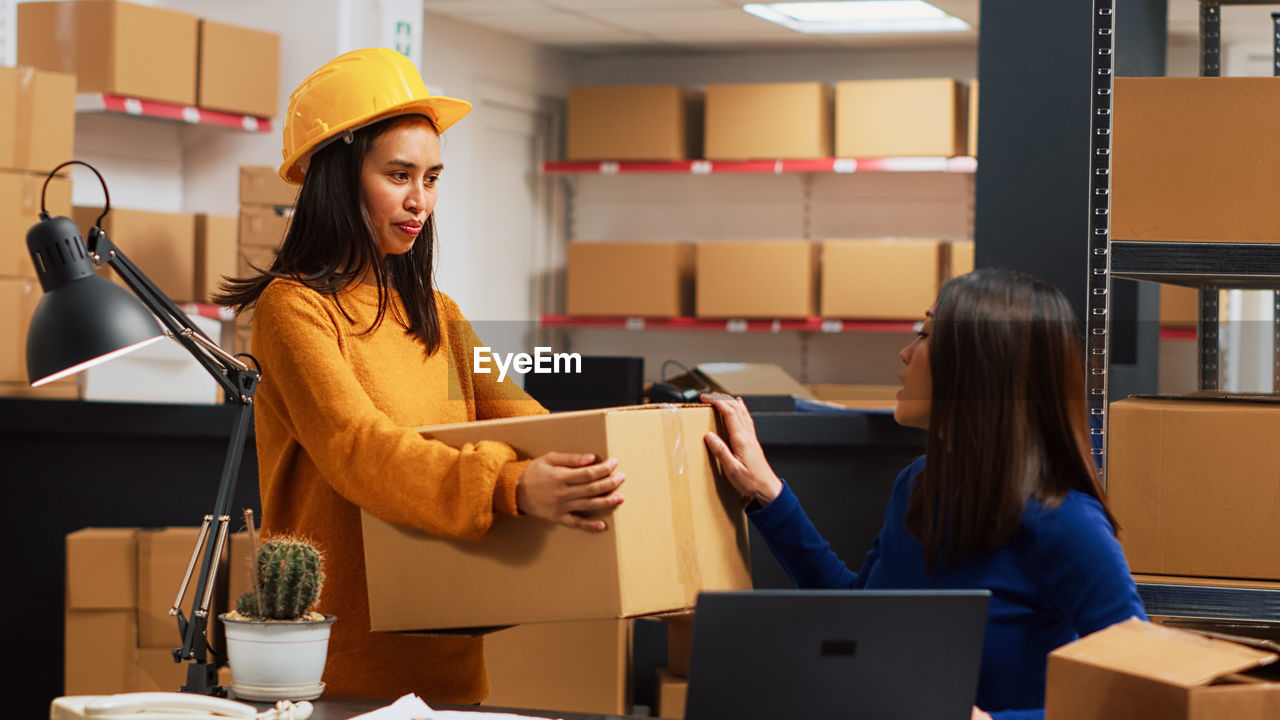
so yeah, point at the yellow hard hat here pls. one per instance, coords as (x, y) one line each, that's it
(353, 90)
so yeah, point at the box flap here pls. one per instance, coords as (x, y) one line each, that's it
(1163, 654)
(741, 378)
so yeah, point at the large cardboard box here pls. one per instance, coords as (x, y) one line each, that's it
(581, 666)
(20, 210)
(102, 569)
(673, 691)
(239, 69)
(216, 242)
(18, 297)
(65, 389)
(163, 556)
(100, 652)
(1179, 306)
(1196, 159)
(901, 118)
(162, 245)
(973, 118)
(681, 530)
(630, 279)
(882, 279)
(264, 226)
(756, 279)
(768, 121)
(113, 47)
(1136, 670)
(1188, 479)
(37, 124)
(634, 122)
(961, 257)
(679, 644)
(261, 185)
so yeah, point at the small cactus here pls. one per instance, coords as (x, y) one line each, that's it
(288, 578)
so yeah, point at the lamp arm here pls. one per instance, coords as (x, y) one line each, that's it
(239, 381)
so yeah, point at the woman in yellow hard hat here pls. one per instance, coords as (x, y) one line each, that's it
(357, 348)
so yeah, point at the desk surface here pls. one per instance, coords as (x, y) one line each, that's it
(342, 707)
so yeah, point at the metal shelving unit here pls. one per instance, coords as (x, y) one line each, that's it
(1210, 267)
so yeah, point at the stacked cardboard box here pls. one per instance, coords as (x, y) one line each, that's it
(266, 205)
(120, 585)
(756, 278)
(581, 666)
(634, 122)
(882, 279)
(901, 118)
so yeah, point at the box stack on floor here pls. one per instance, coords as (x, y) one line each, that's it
(266, 205)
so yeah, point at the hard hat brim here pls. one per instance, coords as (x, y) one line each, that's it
(443, 112)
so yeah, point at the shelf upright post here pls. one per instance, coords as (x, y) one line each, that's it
(1098, 302)
(1275, 294)
(1207, 341)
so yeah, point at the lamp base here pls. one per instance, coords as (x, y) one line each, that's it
(202, 678)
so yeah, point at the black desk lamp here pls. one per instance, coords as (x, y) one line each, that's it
(84, 319)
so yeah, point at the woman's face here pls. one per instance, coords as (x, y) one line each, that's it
(916, 395)
(398, 183)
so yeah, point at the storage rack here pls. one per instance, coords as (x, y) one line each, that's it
(1208, 267)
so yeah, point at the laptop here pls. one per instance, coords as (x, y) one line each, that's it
(817, 654)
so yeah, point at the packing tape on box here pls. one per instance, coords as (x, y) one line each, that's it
(681, 499)
(26, 116)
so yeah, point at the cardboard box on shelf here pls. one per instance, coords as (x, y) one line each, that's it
(630, 279)
(1179, 306)
(66, 389)
(634, 122)
(239, 69)
(262, 185)
(901, 118)
(162, 245)
(862, 397)
(1209, 145)
(18, 298)
(756, 279)
(881, 279)
(163, 555)
(37, 126)
(681, 530)
(1141, 670)
(20, 209)
(768, 121)
(581, 666)
(741, 378)
(113, 47)
(961, 254)
(102, 569)
(252, 259)
(100, 652)
(973, 117)
(1183, 482)
(162, 372)
(673, 690)
(264, 226)
(216, 253)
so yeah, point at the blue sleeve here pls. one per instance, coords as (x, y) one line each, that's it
(1081, 567)
(1018, 715)
(807, 558)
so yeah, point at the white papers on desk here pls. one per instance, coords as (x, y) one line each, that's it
(411, 707)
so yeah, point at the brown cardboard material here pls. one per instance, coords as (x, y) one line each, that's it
(741, 378)
(100, 652)
(756, 279)
(261, 185)
(161, 245)
(681, 530)
(1209, 145)
(768, 121)
(1184, 481)
(113, 47)
(881, 279)
(66, 389)
(973, 117)
(20, 209)
(252, 259)
(679, 643)
(18, 297)
(239, 69)
(630, 279)
(216, 253)
(580, 666)
(102, 569)
(673, 690)
(961, 255)
(863, 397)
(264, 226)
(163, 555)
(634, 122)
(1141, 670)
(901, 118)
(1179, 306)
(37, 125)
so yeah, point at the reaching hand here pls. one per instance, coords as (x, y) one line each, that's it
(979, 715)
(742, 459)
(565, 487)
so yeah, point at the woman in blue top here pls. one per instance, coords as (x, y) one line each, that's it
(1009, 499)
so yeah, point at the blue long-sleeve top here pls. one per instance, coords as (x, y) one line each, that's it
(1063, 576)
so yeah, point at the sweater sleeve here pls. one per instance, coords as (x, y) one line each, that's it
(801, 550)
(382, 467)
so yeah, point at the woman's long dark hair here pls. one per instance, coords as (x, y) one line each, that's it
(331, 245)
(1008, 420)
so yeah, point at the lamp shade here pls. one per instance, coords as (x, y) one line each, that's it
(82, 319)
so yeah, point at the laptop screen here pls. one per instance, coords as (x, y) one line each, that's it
(817, 654)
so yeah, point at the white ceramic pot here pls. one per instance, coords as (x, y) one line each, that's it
(277, 659)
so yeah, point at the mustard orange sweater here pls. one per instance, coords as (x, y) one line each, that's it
(333, 420)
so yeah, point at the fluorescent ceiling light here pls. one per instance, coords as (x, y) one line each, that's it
(858, 16)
